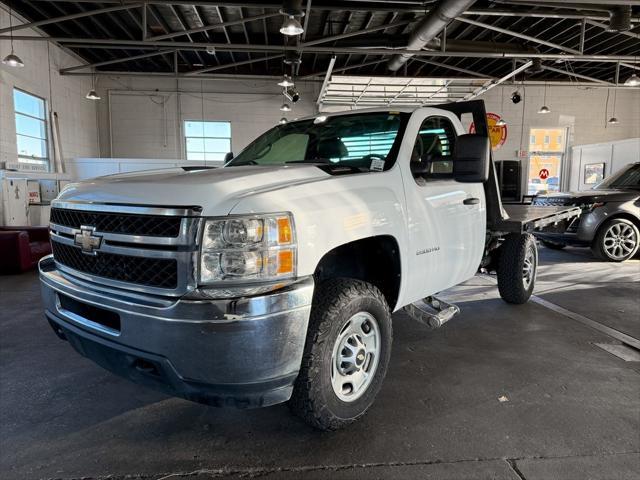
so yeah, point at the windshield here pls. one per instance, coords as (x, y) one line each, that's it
(368, 141)
(628, 177)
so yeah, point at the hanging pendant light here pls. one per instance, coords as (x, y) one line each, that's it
(501, 122)
(286, 81)
(544, 108)
(12, 60)
(613, 121)
(291, 10)
(285, 107)
(282, 121)
(632, 81)
(291, 26)
(92, 95)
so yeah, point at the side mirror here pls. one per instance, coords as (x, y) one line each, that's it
(228, 157)
(471, 160)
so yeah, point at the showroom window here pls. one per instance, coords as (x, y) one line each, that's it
(207, 140)
(31, 128)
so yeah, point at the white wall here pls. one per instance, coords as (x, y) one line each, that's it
(614, 156)
(64, 95)
(147, 113)
(580, 109)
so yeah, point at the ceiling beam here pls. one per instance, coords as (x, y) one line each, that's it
(494, 83)
(529, 38)
(606, 27)
(116, 60)
(206, 28)
(71, 16)
(356, 33)
(452, 67)
(230, 65)
(231, 47)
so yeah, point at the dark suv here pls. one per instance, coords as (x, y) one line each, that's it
(610, 220)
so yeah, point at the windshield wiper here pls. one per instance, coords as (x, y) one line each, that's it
(313, 160)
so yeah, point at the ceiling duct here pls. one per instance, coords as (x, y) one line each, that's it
(452, 45)
(429, 27)
(620, 19)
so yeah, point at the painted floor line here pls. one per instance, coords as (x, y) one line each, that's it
(612, 332)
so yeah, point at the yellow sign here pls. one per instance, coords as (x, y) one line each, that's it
(497, 133)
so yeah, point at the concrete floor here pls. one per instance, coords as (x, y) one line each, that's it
(570, 409)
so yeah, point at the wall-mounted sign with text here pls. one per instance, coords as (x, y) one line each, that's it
(497, 133)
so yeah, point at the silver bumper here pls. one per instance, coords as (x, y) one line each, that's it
(242, 351)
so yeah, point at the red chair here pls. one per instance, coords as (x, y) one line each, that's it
(22, 247)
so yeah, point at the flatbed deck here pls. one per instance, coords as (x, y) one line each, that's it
(526, 218)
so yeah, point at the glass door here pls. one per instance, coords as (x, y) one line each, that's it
(547, 148)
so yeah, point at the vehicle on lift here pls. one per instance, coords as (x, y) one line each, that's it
(273, 278)
(610, 220)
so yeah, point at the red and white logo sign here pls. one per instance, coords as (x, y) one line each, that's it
(544, 174)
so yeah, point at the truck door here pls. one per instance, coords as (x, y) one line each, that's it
(446, 219)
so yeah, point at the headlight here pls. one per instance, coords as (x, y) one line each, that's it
(251, 248)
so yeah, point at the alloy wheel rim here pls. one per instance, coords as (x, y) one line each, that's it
(529, 268)
(355, 357)
(619, 241)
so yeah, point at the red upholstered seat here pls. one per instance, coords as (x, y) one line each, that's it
(22, 247)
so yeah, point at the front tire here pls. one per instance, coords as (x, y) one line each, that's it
(517, 267)
(346, 354)
(616, 241)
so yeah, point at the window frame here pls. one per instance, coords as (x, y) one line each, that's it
(430, 177)
(46, 161)
(185, 137)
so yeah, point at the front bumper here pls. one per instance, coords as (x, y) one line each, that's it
(243, 352)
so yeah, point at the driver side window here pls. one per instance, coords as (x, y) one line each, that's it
(434, 146)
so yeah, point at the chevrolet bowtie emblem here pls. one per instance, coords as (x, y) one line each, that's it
(87, 240)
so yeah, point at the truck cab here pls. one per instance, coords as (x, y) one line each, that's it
(274, 278)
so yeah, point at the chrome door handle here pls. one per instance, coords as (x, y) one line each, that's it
(471, 201)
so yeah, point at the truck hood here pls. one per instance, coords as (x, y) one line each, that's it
(588, 196)
(215, 190)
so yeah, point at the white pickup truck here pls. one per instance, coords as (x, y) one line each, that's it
(273, 278)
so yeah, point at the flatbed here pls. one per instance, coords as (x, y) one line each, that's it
(521, 218)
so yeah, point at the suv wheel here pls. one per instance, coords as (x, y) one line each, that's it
(346, 354)
(616, 241)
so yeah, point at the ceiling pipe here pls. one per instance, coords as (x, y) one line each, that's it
(435, 44)
(429, 27)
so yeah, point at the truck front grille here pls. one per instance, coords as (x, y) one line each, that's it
(147, 249)
(151, 272)
(122, 223)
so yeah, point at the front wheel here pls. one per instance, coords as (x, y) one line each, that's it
(346, 354)
(616, 241)
(517, 267)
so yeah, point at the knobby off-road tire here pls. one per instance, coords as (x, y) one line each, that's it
(346, 315)
(617, 240)
(517, 267)
(553, 245)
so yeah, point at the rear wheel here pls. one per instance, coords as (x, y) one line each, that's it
(553, 245)
(616, 241)
(346, 354)
(517, 267)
